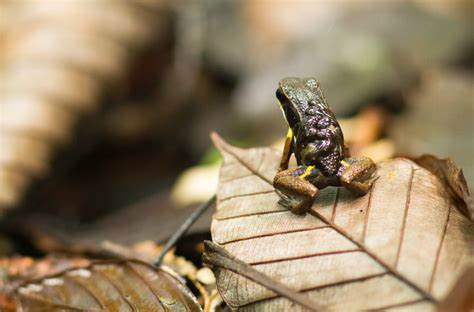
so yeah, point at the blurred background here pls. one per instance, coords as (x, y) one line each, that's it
(106, 106)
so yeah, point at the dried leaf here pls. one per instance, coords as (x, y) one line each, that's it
(402, 245)
(452, 177)
(129, 225)
(18, 270)
(109, 286)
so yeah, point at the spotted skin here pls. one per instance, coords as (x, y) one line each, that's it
(316, 139)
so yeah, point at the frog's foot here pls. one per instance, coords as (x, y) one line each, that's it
(296, 193)
(294, 204)
(358, 174)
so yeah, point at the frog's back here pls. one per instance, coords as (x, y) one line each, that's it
(316, 122)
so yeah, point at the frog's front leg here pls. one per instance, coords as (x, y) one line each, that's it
(297, 192)
(356, 174)
(287, 151)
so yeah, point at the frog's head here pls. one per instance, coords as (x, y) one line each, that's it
(286, 104)
(297, 96)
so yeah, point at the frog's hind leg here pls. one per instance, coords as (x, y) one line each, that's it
(297, 192)
(357, 174)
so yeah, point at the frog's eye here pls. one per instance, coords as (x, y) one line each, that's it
(280, 95)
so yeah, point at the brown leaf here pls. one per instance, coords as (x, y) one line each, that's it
(18, 270)
(108, 286)
(452, 177)
(461, 297)
(402, 245)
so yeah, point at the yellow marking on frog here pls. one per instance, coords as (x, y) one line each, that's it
(287, 150)
(288, 141)
(289, 135)
(307, 172)
(345, 163)
(283, 112)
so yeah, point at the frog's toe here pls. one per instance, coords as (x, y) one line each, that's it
(297, 206)
(287, 202)
(283, 202)
(372, 179)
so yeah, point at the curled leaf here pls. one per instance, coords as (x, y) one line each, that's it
(403, 245)
(452, 177)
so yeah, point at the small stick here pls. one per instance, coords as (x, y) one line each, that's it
(184, 228)
(217, 257)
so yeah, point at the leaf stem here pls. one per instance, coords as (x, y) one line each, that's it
(216, 256)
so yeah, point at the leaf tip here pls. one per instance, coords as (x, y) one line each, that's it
(218, 141)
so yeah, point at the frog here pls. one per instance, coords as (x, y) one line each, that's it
(317, 142)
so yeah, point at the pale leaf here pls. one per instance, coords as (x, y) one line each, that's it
(403, 245)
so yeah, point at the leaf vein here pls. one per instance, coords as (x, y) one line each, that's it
(438, 252)
(274, 234)
(367, 212)
(334, 207)
(244, 163)
(397, 305)
(116, 287)
(324, 286)
(246, 194)
(140, 277)
(86, 289)
(233, 179)
(405, 215)
(320, 254)
(250, 214)
(375, 257)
